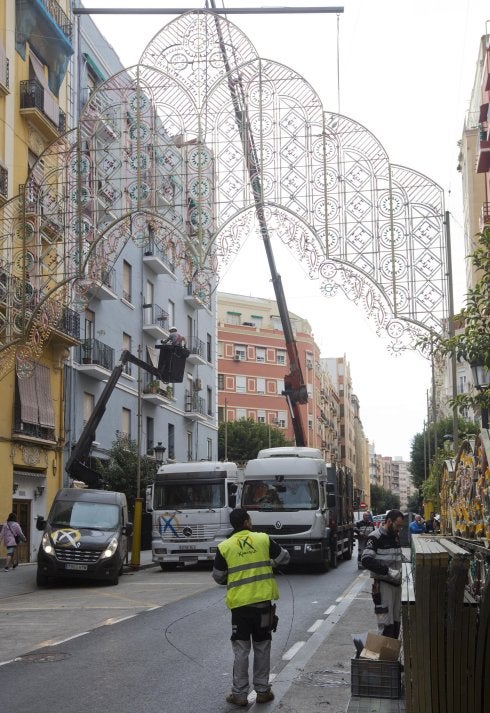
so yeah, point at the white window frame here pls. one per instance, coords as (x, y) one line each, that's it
(241, 385)
(260, 354)
(281, 357)
(260, 385)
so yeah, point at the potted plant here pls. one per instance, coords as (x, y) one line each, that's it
(152, 387)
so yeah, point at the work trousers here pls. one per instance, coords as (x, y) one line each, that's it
(251, 627)
(387, 607)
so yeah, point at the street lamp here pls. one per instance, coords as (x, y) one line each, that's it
(481, 380)
(159, 453)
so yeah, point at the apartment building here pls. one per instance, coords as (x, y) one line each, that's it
(252, 363)
(36, 45)
(120, 196)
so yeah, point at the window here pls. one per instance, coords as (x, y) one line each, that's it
(462, 384)
(260, 416)
(126, 345)
(150, 434)
(310, 423)
(171, 441)
(281, 357)
(257, 320)
(221, 414)
(221, 382)
(260, 387)
(309, 360)
(233, 318)
(260, 354)
(189, 445)
(210, 449)
(88, 406)
(149, 292)
(127, 278)
(240, 352)
(208, 348)
(309, 388)
(126, 423)
(210, 401)
(276, 323)
(241, 384)
(281, 421)
(171, 313)
(220, 349)
(89, 324)
(241, 413)
(279, 386)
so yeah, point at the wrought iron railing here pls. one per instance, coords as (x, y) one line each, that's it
(93, 351)
(4, 182)
(32, 97)
(33, 430)
(151, 248)
(58, 16)
(70, 323)
(194, 403)
(154, 314)
(196, 346)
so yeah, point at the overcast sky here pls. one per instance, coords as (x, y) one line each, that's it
(406, 71)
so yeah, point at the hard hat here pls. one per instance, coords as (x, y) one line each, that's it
(172, 329)
(437, 517)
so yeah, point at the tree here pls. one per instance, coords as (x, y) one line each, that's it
(245, 438)
(414, 503)
(422, 442)
(120, 470)
(383, 500)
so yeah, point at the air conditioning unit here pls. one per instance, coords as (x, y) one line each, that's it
(237, 357)
(197, 384)
(309, 364)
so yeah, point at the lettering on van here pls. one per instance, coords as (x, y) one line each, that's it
(66, 537)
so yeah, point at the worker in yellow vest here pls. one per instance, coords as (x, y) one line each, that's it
(244, 563)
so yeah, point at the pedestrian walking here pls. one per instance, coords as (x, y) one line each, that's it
(362, 529)
(244, 564)
(382, 556)
(11, 535)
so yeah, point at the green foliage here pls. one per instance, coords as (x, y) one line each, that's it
(383, 500)
(245, 438)
(420, 441)
(472, 344)
(120, 470)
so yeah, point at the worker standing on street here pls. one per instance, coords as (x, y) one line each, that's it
(244, 563)
(382, 555)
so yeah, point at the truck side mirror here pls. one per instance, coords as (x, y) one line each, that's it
(40, 523)
(331, 500)
(127, 529)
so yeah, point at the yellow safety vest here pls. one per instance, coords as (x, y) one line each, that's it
(250, 576)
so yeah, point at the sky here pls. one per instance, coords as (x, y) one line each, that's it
(405, 71)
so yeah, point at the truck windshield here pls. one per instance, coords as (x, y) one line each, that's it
(191, 496)
(294, 494)
(96, 516)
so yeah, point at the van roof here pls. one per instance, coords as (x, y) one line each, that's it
(91, 495)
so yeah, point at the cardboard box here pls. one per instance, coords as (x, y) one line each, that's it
(381, 648)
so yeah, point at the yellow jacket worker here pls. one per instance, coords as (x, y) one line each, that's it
(244, 563)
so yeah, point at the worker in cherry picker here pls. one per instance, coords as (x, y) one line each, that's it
(175, 338)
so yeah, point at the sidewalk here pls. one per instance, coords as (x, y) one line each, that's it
(318, 678)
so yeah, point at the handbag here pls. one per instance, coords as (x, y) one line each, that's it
(16, 537)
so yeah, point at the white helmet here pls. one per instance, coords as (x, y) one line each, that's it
(172, 329)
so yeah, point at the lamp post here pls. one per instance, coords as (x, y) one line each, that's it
(481, 380)
(159, 453)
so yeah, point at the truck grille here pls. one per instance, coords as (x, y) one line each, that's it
(284, 530)
(189, 533)
(73, 555)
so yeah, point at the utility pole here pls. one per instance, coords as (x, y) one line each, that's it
(138, 503)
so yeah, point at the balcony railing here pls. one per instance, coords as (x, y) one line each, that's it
(58, 16)
(196, 346)
(33, 96)
(93, 351)
(70, 323)
(154, 314)
(4, 71)
(194, 403)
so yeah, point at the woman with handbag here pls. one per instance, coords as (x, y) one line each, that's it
(11, 535)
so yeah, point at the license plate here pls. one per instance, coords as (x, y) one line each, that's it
(77, 567)
(187, 548)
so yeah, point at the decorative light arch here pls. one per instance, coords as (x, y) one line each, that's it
(158, 157)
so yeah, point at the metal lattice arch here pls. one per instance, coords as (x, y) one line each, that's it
(158, 158)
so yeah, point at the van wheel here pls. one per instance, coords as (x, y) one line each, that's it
(113, 581)
(41, 579)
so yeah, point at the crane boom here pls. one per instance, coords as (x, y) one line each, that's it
(295, 389)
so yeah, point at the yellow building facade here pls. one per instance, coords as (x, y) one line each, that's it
(35, 51)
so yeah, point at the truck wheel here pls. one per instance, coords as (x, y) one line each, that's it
(348, 552)
(324, 565)
(41, 579)
(334, 557)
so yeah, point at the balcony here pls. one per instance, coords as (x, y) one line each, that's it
(483, 151)
(156, 392)
(196, 300)
(95, 359)
(103, 288)
(4, 184)
(57, 14)
(4, 72)
(157, 261)
(67, 331)
(197, 351)
(195, 406)
(41, 108)
(484, 215)
(155, 321)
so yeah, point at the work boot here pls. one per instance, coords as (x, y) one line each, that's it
(265, 696)
(233, 698)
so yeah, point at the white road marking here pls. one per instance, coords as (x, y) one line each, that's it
(116, 620)
(315, 625)
(339, 599)
(293, 650)
(330, 610)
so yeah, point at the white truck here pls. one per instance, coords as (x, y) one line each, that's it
(304, 503)
(190, 505)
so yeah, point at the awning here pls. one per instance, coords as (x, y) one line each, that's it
(51, 106)
(36, 402)
(93, 66)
